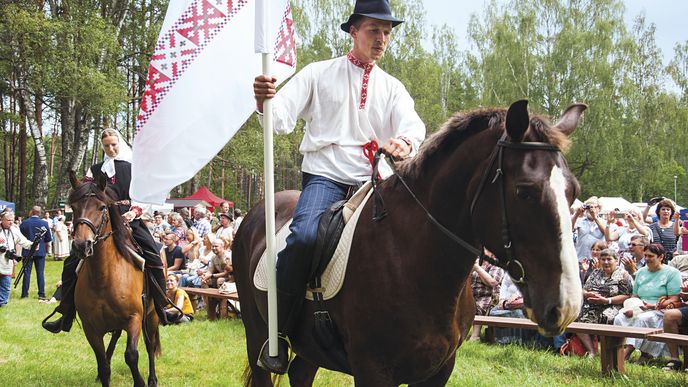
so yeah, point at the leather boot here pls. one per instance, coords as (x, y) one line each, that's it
(288, 307)
(157, 293)
(66, 308)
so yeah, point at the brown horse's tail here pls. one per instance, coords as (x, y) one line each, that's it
(247, 376)
(152, 332)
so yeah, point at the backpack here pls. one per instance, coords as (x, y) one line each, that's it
(574, 346)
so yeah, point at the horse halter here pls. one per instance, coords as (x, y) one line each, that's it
(495, 156)
(104, 219)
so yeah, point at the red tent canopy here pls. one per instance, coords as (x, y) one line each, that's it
(204, 194)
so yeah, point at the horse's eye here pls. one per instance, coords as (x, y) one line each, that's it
(102, 208)
(523, 193)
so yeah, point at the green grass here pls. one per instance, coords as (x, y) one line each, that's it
(205, 353)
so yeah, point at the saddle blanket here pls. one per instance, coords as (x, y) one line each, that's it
(333, 276)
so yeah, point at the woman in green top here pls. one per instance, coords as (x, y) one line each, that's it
(658, 286)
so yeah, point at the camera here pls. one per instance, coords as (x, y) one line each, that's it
(9, 254)
(586, 207)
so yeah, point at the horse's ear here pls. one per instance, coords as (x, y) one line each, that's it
(569, 120)
(73, 180)
(517, 120)
(101, 181)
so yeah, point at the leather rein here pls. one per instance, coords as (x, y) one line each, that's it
(495, 157)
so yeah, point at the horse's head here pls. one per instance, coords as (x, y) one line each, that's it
(522, 214)
(90, 205)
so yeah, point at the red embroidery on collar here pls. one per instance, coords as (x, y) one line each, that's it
(367, 68)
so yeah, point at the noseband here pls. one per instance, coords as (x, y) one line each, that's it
(496, 157)
(104, 219)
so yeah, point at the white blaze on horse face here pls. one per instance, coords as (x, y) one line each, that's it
(570, 290)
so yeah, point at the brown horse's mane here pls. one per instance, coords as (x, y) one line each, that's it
(120, 233)
(465, 124)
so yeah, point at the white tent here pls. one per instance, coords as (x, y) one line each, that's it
(612, 203)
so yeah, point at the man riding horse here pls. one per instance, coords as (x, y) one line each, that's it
(349, 105)
(117, 167)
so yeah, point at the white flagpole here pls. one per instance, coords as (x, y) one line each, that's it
(268, 167)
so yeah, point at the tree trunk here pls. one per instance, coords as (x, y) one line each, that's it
(40, 172)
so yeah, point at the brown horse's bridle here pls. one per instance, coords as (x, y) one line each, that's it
(495, 156)
(104, 219)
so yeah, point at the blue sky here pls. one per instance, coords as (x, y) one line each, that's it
(669, 16)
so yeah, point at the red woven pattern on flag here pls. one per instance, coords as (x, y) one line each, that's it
(176, 50)
(285, 48)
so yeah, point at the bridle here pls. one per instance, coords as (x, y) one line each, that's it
(495, 157)
(97, 230)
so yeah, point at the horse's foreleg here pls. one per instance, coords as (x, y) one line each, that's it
(441, 377)
(98, 347)
(301, 372)
(131, 355)
(113, 343)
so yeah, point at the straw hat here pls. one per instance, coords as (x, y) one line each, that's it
(633, 304)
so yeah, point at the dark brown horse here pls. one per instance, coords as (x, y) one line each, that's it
(110, 283)
(493, 178)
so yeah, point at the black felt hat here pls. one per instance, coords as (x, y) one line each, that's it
(376, 9)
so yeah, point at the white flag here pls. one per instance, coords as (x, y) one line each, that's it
(200, 88)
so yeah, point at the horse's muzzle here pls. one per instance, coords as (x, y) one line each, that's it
(84, 247)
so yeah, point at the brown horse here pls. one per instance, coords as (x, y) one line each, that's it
(491, 177)
(110, 284)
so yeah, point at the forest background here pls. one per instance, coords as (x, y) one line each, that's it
(71, 67)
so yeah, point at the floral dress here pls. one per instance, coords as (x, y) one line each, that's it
(618, 283)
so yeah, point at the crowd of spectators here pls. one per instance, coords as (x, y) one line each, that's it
(634, 272)
(197, 252)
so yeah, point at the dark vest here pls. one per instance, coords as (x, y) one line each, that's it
(119, 183)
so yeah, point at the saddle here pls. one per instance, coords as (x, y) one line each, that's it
(336, 229)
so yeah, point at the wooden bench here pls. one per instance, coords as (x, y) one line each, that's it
(212, 297)
(612, 337)
(674, 338)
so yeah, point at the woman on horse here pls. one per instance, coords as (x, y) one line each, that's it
(116, 166)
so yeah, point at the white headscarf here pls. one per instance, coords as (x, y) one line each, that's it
(125, 154)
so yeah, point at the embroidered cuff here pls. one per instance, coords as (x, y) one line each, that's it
(136, 209)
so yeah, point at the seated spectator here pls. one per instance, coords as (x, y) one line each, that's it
(510, 304)
(592, 261)
(603, 295)
(192, 252)
(181, 301)
(160, 227)
(173, 254)
(220, 265)
(224, 228)
(622, 235)
(485, 281)
(673, 319)
(178, 227)
(634, 258)
(657, 287)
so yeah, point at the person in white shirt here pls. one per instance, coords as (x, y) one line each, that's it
(10, 237)
(351, 108)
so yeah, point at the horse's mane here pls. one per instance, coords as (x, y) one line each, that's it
(120, 232)
(465, 124)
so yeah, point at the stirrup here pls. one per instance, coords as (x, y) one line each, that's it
(277, 365)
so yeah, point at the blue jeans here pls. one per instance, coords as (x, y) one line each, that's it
(293, 264)
(39, 263)
(5, 283)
